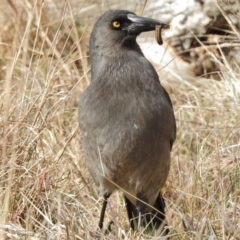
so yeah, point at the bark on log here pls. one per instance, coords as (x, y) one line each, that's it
(207, 36)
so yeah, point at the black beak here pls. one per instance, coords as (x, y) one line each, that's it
(142, 24)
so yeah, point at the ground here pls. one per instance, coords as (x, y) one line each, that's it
(46, 190)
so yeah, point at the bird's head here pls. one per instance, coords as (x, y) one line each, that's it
(117, 28)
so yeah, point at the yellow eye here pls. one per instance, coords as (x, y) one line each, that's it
(116, 24)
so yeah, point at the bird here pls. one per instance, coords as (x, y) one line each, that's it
(127, 120)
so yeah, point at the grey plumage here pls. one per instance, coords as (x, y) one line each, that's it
(126, 118)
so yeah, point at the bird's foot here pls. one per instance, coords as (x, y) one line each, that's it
(109, 228)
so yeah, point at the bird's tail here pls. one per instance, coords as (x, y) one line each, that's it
(150, 220)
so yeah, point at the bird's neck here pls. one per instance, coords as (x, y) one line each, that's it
(111, 58)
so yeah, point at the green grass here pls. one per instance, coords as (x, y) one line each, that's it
(46, 191)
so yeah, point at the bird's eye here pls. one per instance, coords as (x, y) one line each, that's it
(116, 24)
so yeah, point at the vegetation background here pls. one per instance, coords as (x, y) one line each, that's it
(46, 191)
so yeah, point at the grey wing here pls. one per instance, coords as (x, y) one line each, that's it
(174, 132)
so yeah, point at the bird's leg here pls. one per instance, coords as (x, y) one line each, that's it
(131, 211)
(104, 206)
(141, 200)
(139, 220)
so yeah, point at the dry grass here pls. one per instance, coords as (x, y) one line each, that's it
(46, 191)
